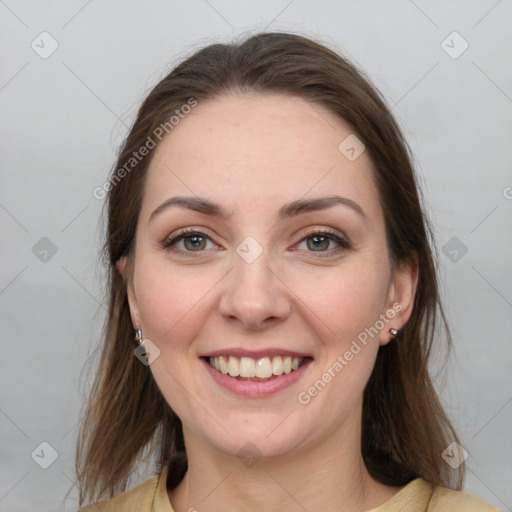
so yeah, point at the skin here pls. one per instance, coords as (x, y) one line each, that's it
(252, 154)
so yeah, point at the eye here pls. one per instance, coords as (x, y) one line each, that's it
(319, 241)
(193, 241)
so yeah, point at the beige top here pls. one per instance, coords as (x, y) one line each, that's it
(417, 496)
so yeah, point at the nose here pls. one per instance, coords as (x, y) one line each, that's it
(254, 296)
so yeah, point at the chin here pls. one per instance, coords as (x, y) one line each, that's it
(258, 441)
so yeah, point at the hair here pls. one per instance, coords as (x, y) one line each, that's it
(404, 426)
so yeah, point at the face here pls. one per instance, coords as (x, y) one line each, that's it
(279, 291)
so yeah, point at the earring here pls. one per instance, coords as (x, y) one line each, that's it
(394, 332)
(138, 336)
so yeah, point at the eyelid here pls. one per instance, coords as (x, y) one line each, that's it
(323, 230)
(191, 230)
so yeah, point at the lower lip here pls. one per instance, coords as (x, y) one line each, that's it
(256, 389)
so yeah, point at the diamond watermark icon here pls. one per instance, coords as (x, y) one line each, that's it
(352, 147)
(454, 45)
(454, 455)
(44, 250)
(249, 249)
(45, 455)
(147, 352)
(249, 454)
(44, 45)
(454, 249)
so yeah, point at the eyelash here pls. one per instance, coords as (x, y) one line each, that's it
(186, 233)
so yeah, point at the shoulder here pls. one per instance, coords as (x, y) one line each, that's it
(138, 499)
(448, 500)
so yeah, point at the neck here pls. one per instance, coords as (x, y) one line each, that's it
(331, 476)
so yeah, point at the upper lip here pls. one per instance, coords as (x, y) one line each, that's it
(255, 354)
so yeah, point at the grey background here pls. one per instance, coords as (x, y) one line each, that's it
(63, 117)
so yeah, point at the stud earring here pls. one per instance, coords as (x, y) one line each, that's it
(393, 332)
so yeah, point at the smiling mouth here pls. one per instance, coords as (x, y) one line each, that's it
(261, 369)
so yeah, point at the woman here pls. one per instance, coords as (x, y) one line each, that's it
(273, 299)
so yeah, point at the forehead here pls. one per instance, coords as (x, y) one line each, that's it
(244, 150)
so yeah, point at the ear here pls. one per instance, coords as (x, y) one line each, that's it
(125, 270)
(400, 302)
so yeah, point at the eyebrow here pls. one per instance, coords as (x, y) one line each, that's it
(207, 207)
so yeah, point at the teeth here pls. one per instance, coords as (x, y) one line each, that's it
(234, 367)
(277, 365)
(247, 367)
(223, 364)
(263, 368)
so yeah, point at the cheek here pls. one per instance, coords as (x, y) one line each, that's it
(170, 301)
(346, 300)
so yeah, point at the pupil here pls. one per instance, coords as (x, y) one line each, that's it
(322, 239)
(194, 240)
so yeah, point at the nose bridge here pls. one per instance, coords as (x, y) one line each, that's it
(252, 293)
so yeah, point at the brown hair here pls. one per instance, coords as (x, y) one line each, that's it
(404, 426)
